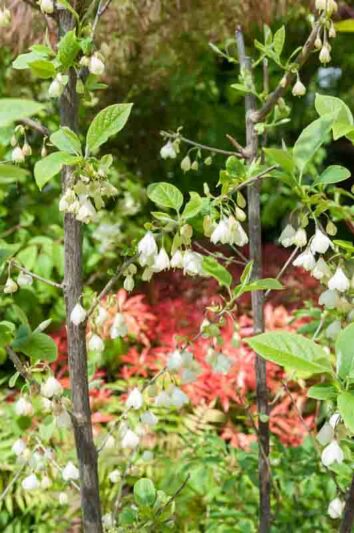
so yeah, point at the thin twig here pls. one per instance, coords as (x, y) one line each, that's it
(253, 180)
(287, 80)
(199, 145)
(55, 464)
(284, 268)
(36, 276)
(20, 367)
(110, 284)
(37, 126)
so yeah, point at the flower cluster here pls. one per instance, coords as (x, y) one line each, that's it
(85, 196)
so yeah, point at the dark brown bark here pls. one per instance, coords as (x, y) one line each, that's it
(348, 516)
(255, 244)
(81, 413)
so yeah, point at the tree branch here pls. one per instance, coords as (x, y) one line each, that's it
(255, 246)
(36, 276)
(288, 79)
(36, 126)
(205, 147)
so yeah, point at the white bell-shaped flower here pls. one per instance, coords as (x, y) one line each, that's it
(287, 236)
(300, 238)
(336, 508)
(135, 399)
(221, 233)
(305, 260)
(178, 397)
(86, 212)
(320, 243)
(329, 299)
(63, 420)
(17, 155)
(177, 260)
(321, 269)
(339, 281)
(130, 440)
(333, 330)
(96, 65)
(46, 482)
(238, 236)
(23, 407)
(102, 316)
(149, 418)
(24, 279)
(46, 6)
(299, 88)
(30, 482)
(174, 361)
(70, 472)
(192, 263)
(63, 498)
(161, 261)
(114, 476)
(18, 447)
(56, 88)
(147, 249)
(51, 387)
(78, 314)
(119, 327)
(168, 151)
(95, 344)
(332, 453)
(334, 420)
(163, 399)
(325, 435)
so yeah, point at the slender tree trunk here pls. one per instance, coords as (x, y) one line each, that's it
(81, 413)
(348, 516)
(255, 244)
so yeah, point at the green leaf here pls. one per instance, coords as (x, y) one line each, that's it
(193, 207)
(108, 122)
(343, 118)
(42, 68)
(28, 256)
(345, 402)
(51, 165)
(7, 332)
(12, 109)
(247, 273)
(266, 284)
(310, 140)
(144, 492)
(217, 271)
(346, 245)
(345, 26)
(66, 140)
(333, 174)
(5, 254)
(283, 158)
(165, 195)
(23, 60)
(322, 391)
(291, 351)
(345, 352)
(39, 347)
(11, 174)
(68, 49)
(279, 41)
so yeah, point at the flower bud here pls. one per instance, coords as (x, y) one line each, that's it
(186, 164)
(114, 476)
(10, 286)
(18, 447)
(318, 42)
(168, 151)
(300, 238)
(56, 89)
(63, 498)
(23, 407)
(95, 343)
(195, 165)
(128, 283)
(299, 88)
(149, 418)
(335, 508)
(130, 440)
(325, 56)
(17, 155)
(26, 149)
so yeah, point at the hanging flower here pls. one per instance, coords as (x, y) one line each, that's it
(177, 260)
(114, 476)
(130, 440)
(325, 435)
(174, 361)
(70, 472)
(300, 238)
(96, 344)
(336, 508)
(51, 388)
(17, 155)
(320, 243)
(168, 151)
(46, 6)
(78, 314)
(221, 233)
(30, 483)
(339, 281)
(161, 261)
(18, 447)
(23, 407)
(305, 260)
(135, 399)
(287, 236)
(332, 453)
(321, 269)
(329, 299)
(119, 327)
(147, 249)
(192, 263)
(10, 286)
(24, 280)
(299, 88)
(96, 65)
(149, 418)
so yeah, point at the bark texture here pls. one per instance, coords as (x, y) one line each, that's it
(255, 245)
(348, 516)
(81, 412)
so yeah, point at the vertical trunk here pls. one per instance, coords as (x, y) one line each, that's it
(348, 517)
(255, 240)
(85, 448)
